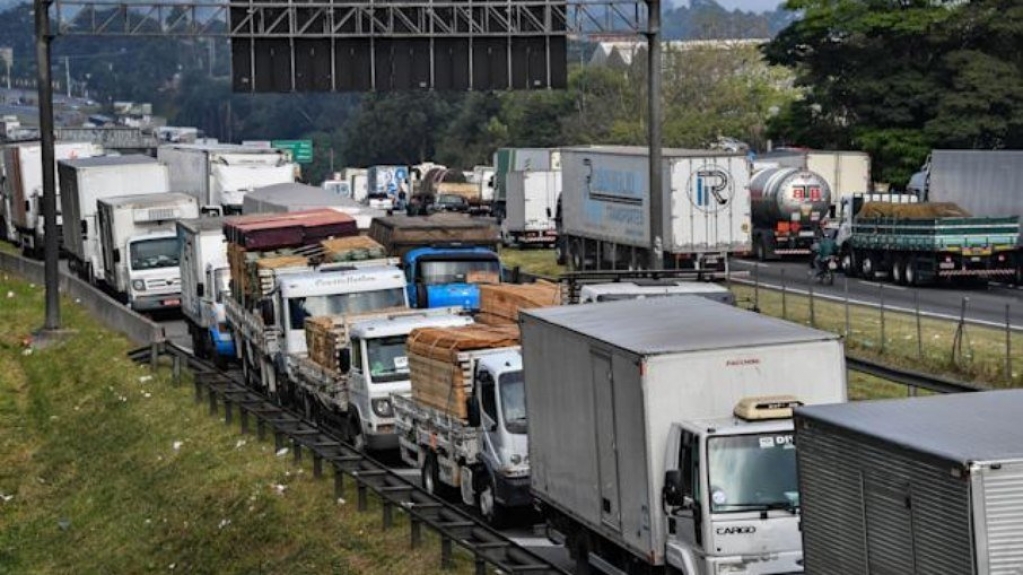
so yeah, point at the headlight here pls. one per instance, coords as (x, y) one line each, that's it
(730, 569)
(516, 459)
(138, 285)
(382, 407)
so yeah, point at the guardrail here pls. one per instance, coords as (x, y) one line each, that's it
(227, 391)
(911, 379)
(111, 313)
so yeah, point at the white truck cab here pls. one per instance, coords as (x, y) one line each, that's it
(732, 492)
(378, 368)
(848, 206)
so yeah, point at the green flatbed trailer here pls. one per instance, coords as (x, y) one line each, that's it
(921, 251)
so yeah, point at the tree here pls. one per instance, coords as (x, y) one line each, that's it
(898, 77)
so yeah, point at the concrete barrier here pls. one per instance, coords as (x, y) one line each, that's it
(111, 313)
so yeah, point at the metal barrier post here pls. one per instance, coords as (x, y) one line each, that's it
(176, 370)
(416, 531)
(388, 509)
(339, 482)
(813, 316)
(363, 502)
(848, 330)
(446, 561)
(919, 331)
(784, 300)
(1008, 346)
(880, 297)
(756, 288)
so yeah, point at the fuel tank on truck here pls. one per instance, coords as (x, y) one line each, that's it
(789, 194)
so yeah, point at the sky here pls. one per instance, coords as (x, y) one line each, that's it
(750, 5)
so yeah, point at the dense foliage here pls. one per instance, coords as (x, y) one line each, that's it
(899, 77)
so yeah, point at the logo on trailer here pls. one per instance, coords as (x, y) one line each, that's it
(710, 188)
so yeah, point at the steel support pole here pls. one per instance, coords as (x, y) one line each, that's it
(43, 38)
(653, 36)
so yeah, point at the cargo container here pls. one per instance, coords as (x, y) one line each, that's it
(605, 212)
(661, 432)
(140, 247)
(922, 485)
(530, 203)
(219, 175)
(21, 191)
(510, 160)
(83, 183)
(388, 180)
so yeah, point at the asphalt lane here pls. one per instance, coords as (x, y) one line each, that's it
(985, 306)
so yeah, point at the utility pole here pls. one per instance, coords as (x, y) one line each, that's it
(67, 74)
(43, 39)
(654, 133)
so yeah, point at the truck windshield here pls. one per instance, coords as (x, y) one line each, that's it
(386, 359)
(436, 272)
(513, 402)
(300, 308)
(154, 254)
(752, 472)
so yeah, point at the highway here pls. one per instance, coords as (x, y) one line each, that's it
(985, 306)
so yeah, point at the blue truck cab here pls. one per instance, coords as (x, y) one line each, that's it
(444, 276)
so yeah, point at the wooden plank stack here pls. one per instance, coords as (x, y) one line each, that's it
(326, 336)
(500, 303)
(353, 248)
(440, 366)
(399, 233)
(258, 244)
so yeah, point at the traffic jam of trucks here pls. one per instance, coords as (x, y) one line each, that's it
(646, 420)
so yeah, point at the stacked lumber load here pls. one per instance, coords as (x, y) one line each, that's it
(440, 364)
(500, 303)
(352, 248)
(921, 211)
(258, 244)
(327, 335)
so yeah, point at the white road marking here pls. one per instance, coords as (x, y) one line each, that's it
(886, 286)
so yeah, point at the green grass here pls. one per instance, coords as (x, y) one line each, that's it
(980, 358)
(92, 482)
(532, 260)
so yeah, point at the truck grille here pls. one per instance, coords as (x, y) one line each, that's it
(163, 284)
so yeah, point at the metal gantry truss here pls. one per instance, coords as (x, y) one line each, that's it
(350, 18)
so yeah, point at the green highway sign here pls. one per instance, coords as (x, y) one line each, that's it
(301, 150)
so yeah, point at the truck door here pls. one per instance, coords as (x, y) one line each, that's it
(489, 418)
(607, 455)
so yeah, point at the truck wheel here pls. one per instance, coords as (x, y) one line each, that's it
(759, 252)
(559, 252)
(867, 268)
(912, 276)
(430, 475)
(355, 435)
(899, 271)
(493, 512)
(576, 255)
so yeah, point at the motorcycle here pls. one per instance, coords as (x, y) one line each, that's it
(825, 272)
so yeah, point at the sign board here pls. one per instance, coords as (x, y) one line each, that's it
(301, 150)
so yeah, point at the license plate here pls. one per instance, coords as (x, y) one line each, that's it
(947, 266)
(171, 302)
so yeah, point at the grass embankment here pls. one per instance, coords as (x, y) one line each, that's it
(106, 467)
(979, 358)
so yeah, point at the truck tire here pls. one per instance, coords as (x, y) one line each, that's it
(867, 267)
(575, 254)
(354, 434)
(911, 274)
(430, 475)
(559, 252)
(493, 512)
(899, 271)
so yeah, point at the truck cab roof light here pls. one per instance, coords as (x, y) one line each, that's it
(766, 407)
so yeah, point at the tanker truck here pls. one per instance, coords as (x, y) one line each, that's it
(788, 204)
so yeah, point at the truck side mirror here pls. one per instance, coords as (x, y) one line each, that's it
(200, 289)
(85, 228)
(344, 360)
(674, 488)
(474, 413)
(117, 256)
(266, 310)
(422, 301)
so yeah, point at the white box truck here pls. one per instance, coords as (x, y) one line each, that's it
(605, 213)
(21, 191)
(530, 203)
(661, 431)
(140, 247)
(219, 175)
(921, 485)
(85, 181)
(205, 284)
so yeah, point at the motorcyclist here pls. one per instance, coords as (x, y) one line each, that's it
(823, 249)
